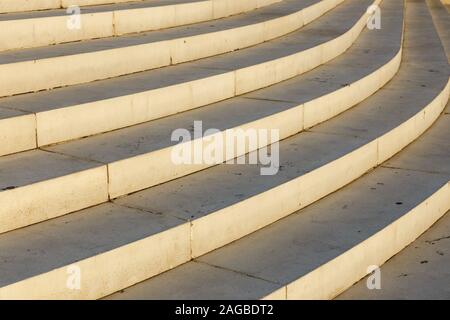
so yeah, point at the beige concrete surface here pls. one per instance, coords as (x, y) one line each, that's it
(30, 70)
(78, 111)
(26, 5)
(34, 29)
(39, 185)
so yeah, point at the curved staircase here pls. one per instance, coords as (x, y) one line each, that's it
(87, 179)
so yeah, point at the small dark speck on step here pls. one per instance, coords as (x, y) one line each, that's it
(399, 203)
(423, 261)
(9, 188)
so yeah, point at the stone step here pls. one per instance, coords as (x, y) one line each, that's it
(191, 216)
(28, 70)
(82, 110)
(140, 156)
(41, 28)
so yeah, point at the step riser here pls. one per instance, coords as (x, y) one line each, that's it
(81, 68)
(147, 170)
(34, 32)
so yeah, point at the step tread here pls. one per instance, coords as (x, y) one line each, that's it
(44, 28)
(23, 169)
